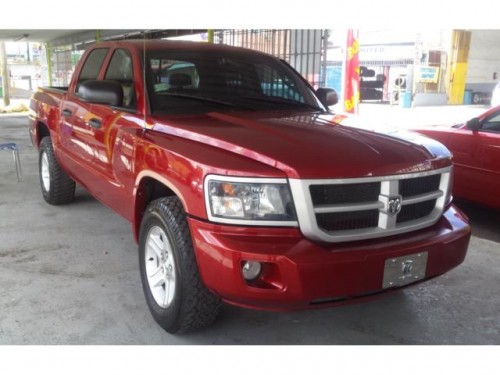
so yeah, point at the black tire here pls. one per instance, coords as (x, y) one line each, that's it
(57, 187)
(179, 301)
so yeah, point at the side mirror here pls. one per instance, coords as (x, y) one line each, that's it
(101, 92)
(473, 124)
(327, 96)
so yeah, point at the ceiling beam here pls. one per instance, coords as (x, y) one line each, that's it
(81, 38)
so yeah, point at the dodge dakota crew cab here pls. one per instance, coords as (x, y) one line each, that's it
(239, 184)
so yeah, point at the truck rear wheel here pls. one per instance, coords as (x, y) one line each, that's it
(57, 187)
(176, 296)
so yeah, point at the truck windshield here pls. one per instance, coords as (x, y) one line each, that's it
(193, 82)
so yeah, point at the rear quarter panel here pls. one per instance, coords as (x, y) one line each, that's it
(44, 112)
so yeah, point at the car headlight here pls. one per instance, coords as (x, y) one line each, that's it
(249, 201)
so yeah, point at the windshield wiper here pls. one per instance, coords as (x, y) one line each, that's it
(209, 100)
(200, 98)
(275, 100)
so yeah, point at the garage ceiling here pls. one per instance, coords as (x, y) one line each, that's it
(60, 37)
(42, 36)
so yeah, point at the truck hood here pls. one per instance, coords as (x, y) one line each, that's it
(308, 145)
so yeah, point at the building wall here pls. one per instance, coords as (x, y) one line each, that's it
(484, 56)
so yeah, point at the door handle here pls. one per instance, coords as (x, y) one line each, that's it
(95, 123)
(66, 112)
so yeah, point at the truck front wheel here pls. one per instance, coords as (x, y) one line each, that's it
(57, 187)
(176, 296)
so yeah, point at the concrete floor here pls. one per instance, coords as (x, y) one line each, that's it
(70, 275)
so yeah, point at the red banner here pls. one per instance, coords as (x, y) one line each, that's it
(351, 73)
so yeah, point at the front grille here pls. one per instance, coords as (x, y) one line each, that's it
(337, 221)
(355, 209)
(416, 211)
(345, 193)
(419, 185)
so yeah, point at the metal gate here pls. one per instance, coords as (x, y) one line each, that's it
(305, 50)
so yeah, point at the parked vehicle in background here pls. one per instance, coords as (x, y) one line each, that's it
(240, 185)
(476, 155)
(495, 97)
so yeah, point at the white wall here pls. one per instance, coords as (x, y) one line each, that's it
(484, 56)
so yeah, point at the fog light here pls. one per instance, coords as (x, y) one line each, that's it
(251, 270)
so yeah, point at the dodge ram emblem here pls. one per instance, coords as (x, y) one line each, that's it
(394, 205)
(407, 267)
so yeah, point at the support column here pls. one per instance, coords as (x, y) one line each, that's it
(210, 35)
(5, 75)
(49, 64)
(457, 67)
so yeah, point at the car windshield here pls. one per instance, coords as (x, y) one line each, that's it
(193, 82)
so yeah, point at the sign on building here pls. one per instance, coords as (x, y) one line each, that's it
(428, 74)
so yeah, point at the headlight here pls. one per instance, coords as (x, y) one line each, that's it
(250, 201)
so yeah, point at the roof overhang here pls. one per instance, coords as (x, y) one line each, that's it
(57, 37)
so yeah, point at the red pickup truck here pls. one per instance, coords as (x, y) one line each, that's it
(239, 184)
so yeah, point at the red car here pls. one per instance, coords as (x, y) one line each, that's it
(476, 154)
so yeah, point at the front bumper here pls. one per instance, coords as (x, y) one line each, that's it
(300, 274)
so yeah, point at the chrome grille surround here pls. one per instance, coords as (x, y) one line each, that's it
(387, 223)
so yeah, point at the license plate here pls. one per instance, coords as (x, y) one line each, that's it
(404, 270)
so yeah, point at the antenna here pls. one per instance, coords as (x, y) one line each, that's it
(145, 87)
